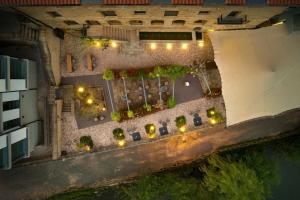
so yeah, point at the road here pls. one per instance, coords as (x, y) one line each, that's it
(46, 178)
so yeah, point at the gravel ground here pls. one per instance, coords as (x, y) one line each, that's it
(102, 134)
(125, 56)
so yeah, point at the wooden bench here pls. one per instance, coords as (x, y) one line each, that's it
(89, 62)
(69, 63)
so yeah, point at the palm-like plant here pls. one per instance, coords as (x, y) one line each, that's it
(142, 74)
(108, 75)
(174, 72)
(158, 72)
(123, 74)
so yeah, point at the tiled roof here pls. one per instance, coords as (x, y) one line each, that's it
(187, 2)
(235, 2)
(283, 2)
(39, 2)
(126, 2)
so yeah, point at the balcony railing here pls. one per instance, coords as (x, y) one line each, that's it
(232, 20)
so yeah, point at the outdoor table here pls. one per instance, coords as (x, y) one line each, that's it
(163, 131)
(136, 136)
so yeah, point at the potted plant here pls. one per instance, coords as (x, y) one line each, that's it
(119, 136)
(181, 123)
(150, 130)
(171, 103)
(86, 142)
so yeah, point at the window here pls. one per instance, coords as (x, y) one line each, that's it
(3, 157)
(204, 12)
(200, 21)
(136, 22)
(10, 105)
(18, 149)
(3, 68)
(114, 22)
(233, 13)
(54, 14)
(157, 22)
(171, 13)
(11, 124)
(139, 12)
(92, 22)
(108, 13)
(178, 22)
(70, 22)
(18, 69)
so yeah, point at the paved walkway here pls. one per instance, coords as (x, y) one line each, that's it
(46, 178)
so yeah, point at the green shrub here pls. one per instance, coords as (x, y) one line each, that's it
(108, 75)
(171, 103)
(180, 121)
(130, 114)
(115, 116)
(147, 107)
(211, 112)
(118, 134)
(86, 141)
(150, 130)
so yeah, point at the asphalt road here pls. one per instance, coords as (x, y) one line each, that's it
(47, 178)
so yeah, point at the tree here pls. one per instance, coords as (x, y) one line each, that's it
(227, 179)
(164, 186)
(108, 75)
(174, 72)
(158, 72)
(123, 74)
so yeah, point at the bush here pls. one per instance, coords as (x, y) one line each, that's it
(130, 114)
(147, 107)
(115, 116)
(211, 112)
(118, 134)
(180, 121)
(86, 141)
(108, 75)
(171, 103)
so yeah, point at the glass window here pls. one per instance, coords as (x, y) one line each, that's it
(139, 12)
(171, 13)
(9, 105)
(3, 68)
(18, 149)
(11, 124)
(108, 13)
(18, 69)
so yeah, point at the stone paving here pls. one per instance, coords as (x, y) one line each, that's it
(102, 133)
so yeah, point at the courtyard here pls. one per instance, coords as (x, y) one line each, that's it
(142, 91)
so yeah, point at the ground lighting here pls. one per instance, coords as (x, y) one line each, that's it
(184, 46)
(98, 44)
(114, 44)
(80, 89)
(121, 143)
(182, 129)
(201, 44)
(89, 101)
(213, 121)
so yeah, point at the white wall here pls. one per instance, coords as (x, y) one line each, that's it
(260, 71)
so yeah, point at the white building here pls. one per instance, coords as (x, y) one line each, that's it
(19, 120)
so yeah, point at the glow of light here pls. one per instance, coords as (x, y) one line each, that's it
(97, 44)
(80, 89)
(114, 44)
(121, 143)
(278, 23)
(152, 128)
(87, 148)
(213, 121)
(212, 112)
(153, 46)
(104, 109)
(182, 129)
(89, 101)
(201, 44)
(184, 46)
(211, 30)
(169, 46)
(153, 135)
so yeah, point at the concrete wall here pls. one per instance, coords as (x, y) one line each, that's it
(31, 75)
(260, 71)
(54, 48)
(35, 135)
(28, 105)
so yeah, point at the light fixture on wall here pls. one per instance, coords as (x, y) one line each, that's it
(153, 46)
(169, 46)
(184, 46)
